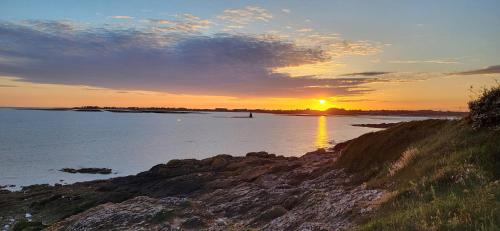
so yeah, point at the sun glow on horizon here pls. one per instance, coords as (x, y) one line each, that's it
(322, 105)
(13, 94)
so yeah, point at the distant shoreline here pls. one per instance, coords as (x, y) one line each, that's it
(305, 112)
(380, 125)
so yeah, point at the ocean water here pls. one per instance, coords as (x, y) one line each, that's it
(35, 144)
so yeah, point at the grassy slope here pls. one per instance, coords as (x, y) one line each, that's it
(450, 183)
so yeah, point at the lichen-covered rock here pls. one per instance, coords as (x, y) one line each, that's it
(139, 213)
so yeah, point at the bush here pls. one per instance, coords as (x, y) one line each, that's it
(485, 111)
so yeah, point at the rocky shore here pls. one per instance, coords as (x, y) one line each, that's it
(259, 191)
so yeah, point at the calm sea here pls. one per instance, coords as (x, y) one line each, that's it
(34, 144)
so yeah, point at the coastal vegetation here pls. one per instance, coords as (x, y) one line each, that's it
(443, 175)
(440, 174)
(485, 111)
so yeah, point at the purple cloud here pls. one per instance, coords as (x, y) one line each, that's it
(220, 64)
(488, 70)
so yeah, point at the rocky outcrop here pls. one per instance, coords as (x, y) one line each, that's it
(260, 191)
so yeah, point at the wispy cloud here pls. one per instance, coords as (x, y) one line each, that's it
(121, 17)
(52, 26)
(5, 85)
(286, 11)
(14, 60)
(367, 73)
(229, 28)
(335, 46)
(184, 23)
(361, 48)
(305, 30)
(349, 100)
(244, 16)
(431, 61)
(488, 70)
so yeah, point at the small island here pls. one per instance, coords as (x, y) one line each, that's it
(382, 125)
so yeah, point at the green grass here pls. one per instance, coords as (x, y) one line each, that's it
(368, 154)
(450, 183)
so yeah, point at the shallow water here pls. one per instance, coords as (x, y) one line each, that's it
(34, 144)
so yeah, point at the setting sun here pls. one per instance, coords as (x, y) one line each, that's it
(321, 105)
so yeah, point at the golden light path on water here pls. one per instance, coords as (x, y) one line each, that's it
(321, 133)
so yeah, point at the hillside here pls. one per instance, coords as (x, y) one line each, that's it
(441, 175)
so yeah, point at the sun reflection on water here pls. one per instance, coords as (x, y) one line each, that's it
(321, 133)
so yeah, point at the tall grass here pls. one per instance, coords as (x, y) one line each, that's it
(403, 161)
(444, 175)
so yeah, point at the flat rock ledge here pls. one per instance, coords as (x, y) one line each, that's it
(258, 192)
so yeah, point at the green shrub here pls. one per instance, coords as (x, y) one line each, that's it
(485, 111)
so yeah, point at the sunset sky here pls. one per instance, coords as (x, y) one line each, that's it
(248, 54)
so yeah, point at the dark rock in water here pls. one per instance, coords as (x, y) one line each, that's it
(87, 170)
